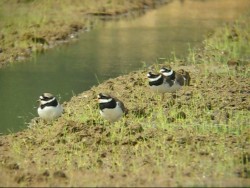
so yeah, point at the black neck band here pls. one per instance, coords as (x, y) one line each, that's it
(52, 103)
(156, 82)
(111, 104)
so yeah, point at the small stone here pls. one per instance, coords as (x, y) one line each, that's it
(209, 106)
(13, 166)
(169, 138)
(203, 153)
(59, 174)
(45, 173)
(170, 119)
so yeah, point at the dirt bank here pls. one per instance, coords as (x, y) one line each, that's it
(201, 138)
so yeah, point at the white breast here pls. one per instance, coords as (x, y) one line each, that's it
(112, 115)
(174, 87)
(50, 112)
(165, 87)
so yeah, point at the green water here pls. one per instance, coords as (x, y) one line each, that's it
(111, 49)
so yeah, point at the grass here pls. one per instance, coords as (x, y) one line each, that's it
(191, 150)
(199, 139)
(227, 43)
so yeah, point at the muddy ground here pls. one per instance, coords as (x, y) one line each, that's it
(82, 150)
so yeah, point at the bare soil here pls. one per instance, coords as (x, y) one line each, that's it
(27, 157)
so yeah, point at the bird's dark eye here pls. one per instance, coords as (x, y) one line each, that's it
(46, 98)
(103, 96)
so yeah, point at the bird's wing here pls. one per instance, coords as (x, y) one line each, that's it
(169, 81)
(180, 79)
(121, 104)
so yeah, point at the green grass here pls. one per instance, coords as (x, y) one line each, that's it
(227, 43)
(199, 139)
(196, 148)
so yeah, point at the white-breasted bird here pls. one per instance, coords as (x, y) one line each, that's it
(49, 108)
(167, 81)
(110, 107)
(157, 83)
(173, 78)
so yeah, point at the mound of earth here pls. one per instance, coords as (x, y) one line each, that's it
(179, 141)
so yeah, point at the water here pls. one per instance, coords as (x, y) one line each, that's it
(112, 48)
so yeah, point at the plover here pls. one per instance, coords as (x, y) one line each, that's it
(49, 108)
(186, 76)
(158, 84)
(111, 108)
(167, 81)
(176, 80)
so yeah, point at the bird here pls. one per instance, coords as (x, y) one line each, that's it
(173, 78)
(157, 83)
(167, 81)
(186, 76)
(160, 84)
(111, 108)
(49, 108)
(176, 79)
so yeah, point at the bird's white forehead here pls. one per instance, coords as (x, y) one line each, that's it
(166, 73)
(102, 94)
(154, 79)
(45, 102)
(104, 100)
(41, 97)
